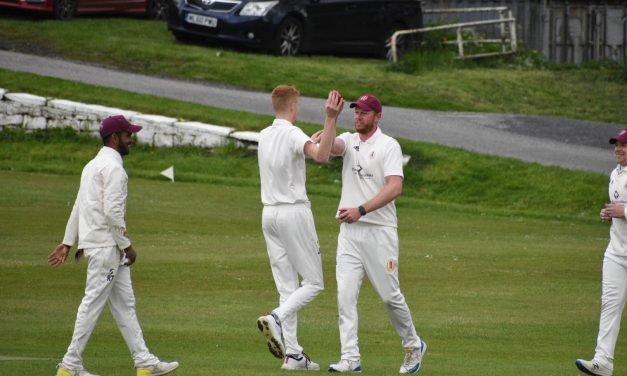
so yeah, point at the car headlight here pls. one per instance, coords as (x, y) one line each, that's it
(257, 8)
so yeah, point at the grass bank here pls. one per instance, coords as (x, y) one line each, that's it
(146, 47)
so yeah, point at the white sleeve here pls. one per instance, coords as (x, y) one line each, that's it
(393, 162)
(115, 193)
(298, 139)
(71, 228)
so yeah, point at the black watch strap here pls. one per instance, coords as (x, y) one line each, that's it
(362, 210)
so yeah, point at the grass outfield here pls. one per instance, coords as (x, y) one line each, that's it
(491, 294)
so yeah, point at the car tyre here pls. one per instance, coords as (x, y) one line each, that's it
(64, 9)
(289, 38)
(157, 9)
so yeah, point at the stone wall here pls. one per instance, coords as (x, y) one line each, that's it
(31, 112)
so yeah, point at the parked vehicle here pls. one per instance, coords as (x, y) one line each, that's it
(289, 27)
(65, 9)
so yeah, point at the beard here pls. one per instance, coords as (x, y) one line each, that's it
(123, 149)
(364, 128)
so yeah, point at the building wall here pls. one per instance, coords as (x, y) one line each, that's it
(566, 31)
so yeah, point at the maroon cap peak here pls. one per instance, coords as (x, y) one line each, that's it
(368, 102)
(621, 137)
(115, 124)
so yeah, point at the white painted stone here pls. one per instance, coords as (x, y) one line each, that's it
(2, 92)
(246, 136)
(163, 140)
(37, 122)
(13, 120)
(64, 105)
(26, 99)
(203, 127)
(103, 112)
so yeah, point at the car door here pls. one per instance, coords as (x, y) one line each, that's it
(325, 22)
(110, 5)
(364, 20)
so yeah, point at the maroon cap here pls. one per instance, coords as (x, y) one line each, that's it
(621, 137)
(115, 124)
(368, 102)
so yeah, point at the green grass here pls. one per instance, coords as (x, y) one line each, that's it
(146, 47)
(492, 294)
(435, 174)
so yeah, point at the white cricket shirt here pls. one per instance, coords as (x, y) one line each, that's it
(98, 215)
(618, 232)
(366, 165)
(281, 155)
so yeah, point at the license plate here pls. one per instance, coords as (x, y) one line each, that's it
(198, 19)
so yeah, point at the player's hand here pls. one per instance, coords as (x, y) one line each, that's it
(335, 104)
(614, 210)
(316, 137)
(59, 255)
(348, 215)
(604, 216)
(130, 256)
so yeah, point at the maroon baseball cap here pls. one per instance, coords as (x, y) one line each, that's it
(368, 102)
(115, 124)
(621, 137)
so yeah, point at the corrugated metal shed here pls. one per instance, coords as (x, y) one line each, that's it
(566, 31)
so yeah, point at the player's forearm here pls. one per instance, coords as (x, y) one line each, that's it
(71, 228)
(388, 194)
(326, 140)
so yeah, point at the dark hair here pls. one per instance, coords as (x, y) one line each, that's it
(107, 139)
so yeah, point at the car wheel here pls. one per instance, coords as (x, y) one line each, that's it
(64, 9)
(157, 9)
(289, 38)
(402, 43)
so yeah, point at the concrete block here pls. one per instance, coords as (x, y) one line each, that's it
(201, 134)
(12, 120)
(36, 122)
(26, 99)
(102, 112)
(246, 137)
(65, 105)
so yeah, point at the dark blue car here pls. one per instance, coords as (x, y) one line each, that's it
(289, 27)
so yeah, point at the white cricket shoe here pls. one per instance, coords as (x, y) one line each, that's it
(270, 326)
(161, 368)
(300, 362)
(594, 367)
(345, 365)
(413, 359)
(62, 371)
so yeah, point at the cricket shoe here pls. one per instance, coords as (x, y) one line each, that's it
(413, 359)
(345, 365)
(161, 368)
(61, 371)
(299, 362)
(593, 367)
(270, 326)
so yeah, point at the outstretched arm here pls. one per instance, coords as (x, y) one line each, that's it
(320, 153)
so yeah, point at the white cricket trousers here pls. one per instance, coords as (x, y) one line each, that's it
(108, 281)
(293, 249)
(613, 296)
(372, 250)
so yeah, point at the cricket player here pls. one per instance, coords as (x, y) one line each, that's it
(98, 221)
(372, 177)
(287, 220)
(614, 285)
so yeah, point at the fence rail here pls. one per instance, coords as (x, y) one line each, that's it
(505, 19)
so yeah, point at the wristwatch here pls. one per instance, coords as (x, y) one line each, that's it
(362, 210)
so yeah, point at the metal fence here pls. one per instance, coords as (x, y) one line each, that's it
(566, 31)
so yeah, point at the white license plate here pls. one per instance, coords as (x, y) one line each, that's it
(197, 19)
